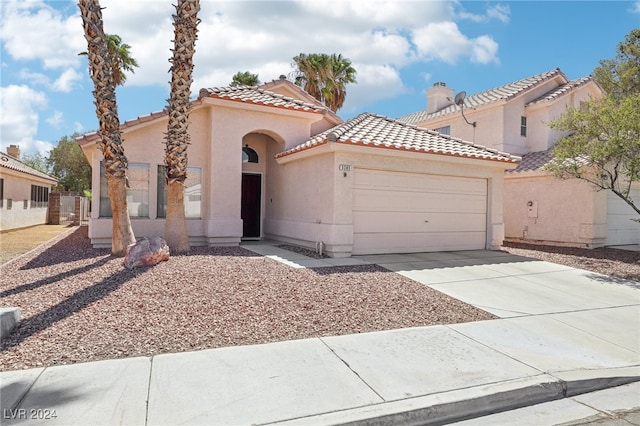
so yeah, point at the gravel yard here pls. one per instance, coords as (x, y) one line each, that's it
(608, 261)
(80, 304)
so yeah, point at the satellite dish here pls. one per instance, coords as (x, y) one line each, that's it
(459, 99)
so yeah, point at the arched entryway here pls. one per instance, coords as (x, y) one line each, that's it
(258, 151)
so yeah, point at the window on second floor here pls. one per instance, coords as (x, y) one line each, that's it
(523, 126)
(445, 130)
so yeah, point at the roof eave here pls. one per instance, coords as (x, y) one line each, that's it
(506, 163)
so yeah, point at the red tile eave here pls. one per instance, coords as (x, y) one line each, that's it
(245, 101)
(50, 179)
(84, 139)
(295, 151)
(448, 154)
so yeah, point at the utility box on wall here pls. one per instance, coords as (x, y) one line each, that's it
(532, 209)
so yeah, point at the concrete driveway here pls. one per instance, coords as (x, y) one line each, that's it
(512, 286)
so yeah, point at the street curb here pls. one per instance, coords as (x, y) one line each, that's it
(464, 404)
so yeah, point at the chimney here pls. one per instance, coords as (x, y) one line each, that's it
(439, 96)
(14, 151)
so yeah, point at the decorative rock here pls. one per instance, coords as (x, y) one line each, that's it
(9, 320)
(148, 251)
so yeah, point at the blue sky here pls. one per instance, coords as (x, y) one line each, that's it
(399, 49)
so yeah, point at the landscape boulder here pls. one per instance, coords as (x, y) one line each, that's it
(148, 251)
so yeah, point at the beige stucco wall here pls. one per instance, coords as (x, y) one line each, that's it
(569, 212)
(17, 188)
(319, 191)
(218, 131)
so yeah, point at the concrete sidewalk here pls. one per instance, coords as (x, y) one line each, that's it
(562, 333)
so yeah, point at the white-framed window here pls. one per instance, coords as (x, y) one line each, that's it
(446, 130)
(192, 193)
(137, 192)
(523, 126)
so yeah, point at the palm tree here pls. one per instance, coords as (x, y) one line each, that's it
(185, 23)
(119, 57)
(341, 74)
(324, 77)
(244, 79)
(115, 161)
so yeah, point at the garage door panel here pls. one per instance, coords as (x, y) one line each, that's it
(407, 222)
(375, 243)
(380, 181)
(372, 200)
(409, 212)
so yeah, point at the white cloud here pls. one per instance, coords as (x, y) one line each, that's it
(445, 42)
(66, 82)
(263, 36)
(636, 7)
(55, 120)
(33, 30)
(375, 82)
(19, 107)
(484, 50)
(500, 12)
(440, 41)
(34, 78)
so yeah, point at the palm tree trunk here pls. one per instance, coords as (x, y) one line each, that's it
(107, 111)
(185, 23)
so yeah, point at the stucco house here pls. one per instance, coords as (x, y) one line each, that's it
(272, 162)
(24, 192)
(515, 118)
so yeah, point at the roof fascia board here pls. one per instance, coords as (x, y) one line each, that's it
(400, 153)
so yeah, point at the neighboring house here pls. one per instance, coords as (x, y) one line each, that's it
(24, 192)
(277, 164)
(515, 118)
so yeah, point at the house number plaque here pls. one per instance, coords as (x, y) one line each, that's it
(344, 167)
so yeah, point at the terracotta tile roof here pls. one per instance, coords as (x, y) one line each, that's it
(258, 96)
(382, 132)
(561, 90)
(12, 163)
(533, 161)
(492, 95)
(248, 94)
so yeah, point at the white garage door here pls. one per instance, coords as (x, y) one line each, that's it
(396, 212)
(621, 229)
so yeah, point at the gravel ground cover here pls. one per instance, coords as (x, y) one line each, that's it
(608, 261)
(80, 304)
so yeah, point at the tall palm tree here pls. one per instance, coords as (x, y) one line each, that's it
(342, 73)
(185, 23)
(244, 79)
(119, 57)
(121, 60)
(115, 161)
(324, 77)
